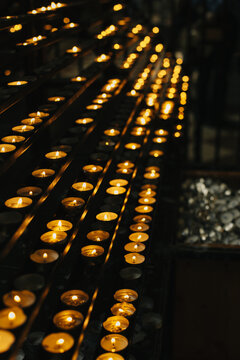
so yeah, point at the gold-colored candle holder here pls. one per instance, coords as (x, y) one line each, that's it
(19, 298)
(74, 50)
(40, 114)
(144, 209)
(125, 295)
(79, 79)
(126, 165)
(12, 139)
(59, 225)
(29, 191)
(58, 343)
(84, 121)
(98, 235)
(43, 173)
(156, 153)
(116, 324)
(107, 216)
(133, 93)
(104, 96)
(147, 200)
(56, 155)
(139, 227)
(93, 107)
(161, 132)
(110, 356)
(53, 237)
(12, 317)
(143, 218)
(116, 190)
(44, 256)
(6, 148)
(56, 98)
(92, 169)
(123, 309)
(74, 297)
(18, 83)
(112, 132)
(152, 168)
(114, 342)
(134, 247)
(18, 202)
(132, 146)
(82, 186)
(7, 339)
(100, 101)
(151, 175)
(68, 319)
(159, 140)
(124, 171)
(92, 251)
(72, 203)
(138, 237)
(134, 258)
(118, 182)
(70, 25)
(32, 121)
(147, 193)
(23, 128)
(142, 120)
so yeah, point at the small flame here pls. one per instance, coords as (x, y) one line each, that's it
(17, 299)
(11, 315)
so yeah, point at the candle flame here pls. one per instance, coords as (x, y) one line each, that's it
(134, 258)
(59, 223)
(45, 255)
(94, 251)
(30, 192)
(145, 208)
(43, 173)
(113, 340)
(57, 153)
(84, 185)
(17, 298)
(24, 127)
(74, 297)
(3, 149)
(19, 201)
(11, 315)
(54, 236)
(135, 246)
(126, 297)
(118, 323)
(69, 319)
(60, 341)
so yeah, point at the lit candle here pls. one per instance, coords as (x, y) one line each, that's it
(79, 79)
(40, 114)
(147, 193)
(19, 298)
(159, 140)
(56, 155)
(71, 203)
(142, 120)
(149, 186)
(118, 182)
(59, 225)
(92, 250)
(6, 340)
(133, 93)
(161, 132)
(84, 121)
(152, 168)
(134, 258)
(18, 202)
(12, 317)
(43, 173)
(109, 356)
(56, 98)
(100, 101)
(53, 237)
(123, 309)
(132, 146)
(112, 132)
(58, 343)
(156, 153)
(74, 297)
(138, 237)
(102, 58)
(104, 96)
(143, 218)
(147, 200)
(124, 171)
(114, 342)
(11, 139)
(82, 186)
(23, 128)
(97, 235)
(73, 50)
(125, 295)
(92, 168)
(144, 209)
(68, 319)
(116, 190)
(116, 324)
(6, 148)
(44, 256)
(126, 165)
(106, 216)
(151, 175)
(17, 83)
(94, 107)
(29, 191)
(134, 247)
(139, 227)
(31, 121)
(71, 25)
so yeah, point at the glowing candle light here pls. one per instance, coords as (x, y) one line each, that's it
(139, 227)
(114, 342)
(124, 171)
(93, 107)
(147, 200)
(19, 298)
(106, 216)
(12, 317)
(82, 186)
(97, 235)
(159, 140)
(116, 190)
(112, 132)
(161, 132)
(53, 237)
(138, 237)
(132, 146)
(123, 309)
(71, 203)
(74, 297)
(126, 165)
(79, 79)
(17, 83)
(143, 218)
(18, 202)
(92, 250)
(109, 356)
(116, 324)
(40, 114)
(151, 175)
(58, 342)
(147, 193)
(84, 121)
(44, 256)
(43, 173)
(118, 182)
(92, 168)
(23, 128)
(29, 191)
(134, 258)
(74, 50)
(59, 225)
(56, 98)
(11, 139)
(68, 319)
(6, 148)
(32, 121)
(144, 209)
(56, 155)
(134, 247)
